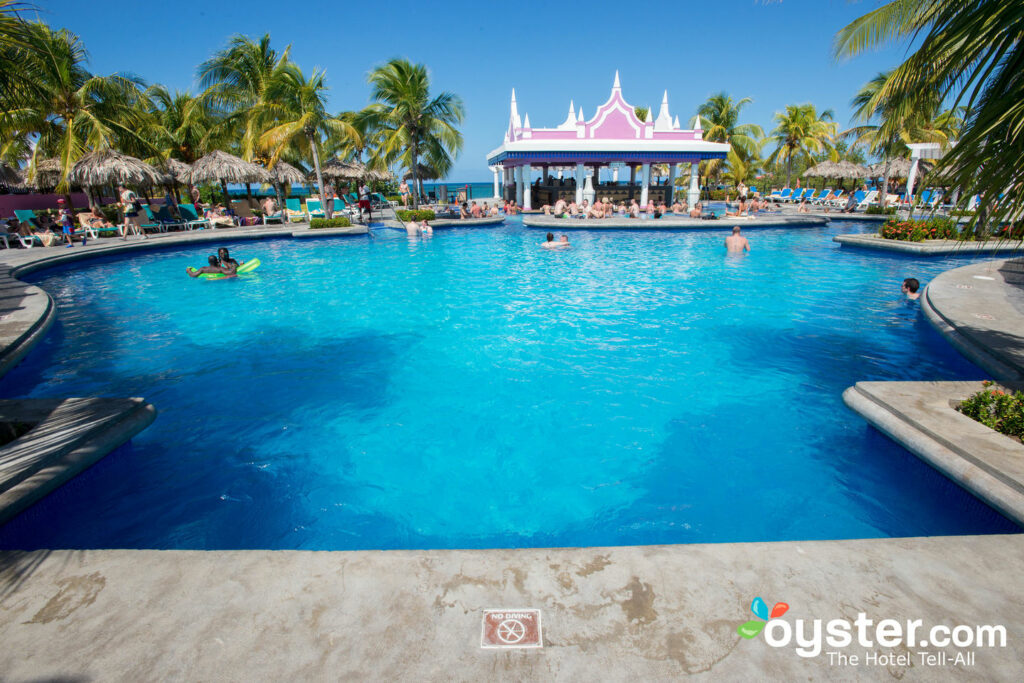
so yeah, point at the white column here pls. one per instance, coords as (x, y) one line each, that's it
(579, 183)
(646, 183)
(914, 162)
(671, 184)
(527, 184)
(496, 182)
(519, 185)
(693, 196)
(615, 174)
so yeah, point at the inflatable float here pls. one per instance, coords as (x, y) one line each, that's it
(247, 267)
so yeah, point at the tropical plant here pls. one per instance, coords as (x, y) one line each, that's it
(178, 125)
(719, 117)
(70, 110)
(887, 129)
(15, 40)
(237, 81)
(800, 132)
(413, 124)
(736, 170)
(972, 53)
(297, 106)
(642, 113)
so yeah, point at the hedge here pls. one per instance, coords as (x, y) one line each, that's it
(339, 222)
(917, 231)
(417, 215)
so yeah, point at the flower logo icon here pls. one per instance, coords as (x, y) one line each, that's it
(760, 609)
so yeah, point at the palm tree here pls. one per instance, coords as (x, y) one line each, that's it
(800, 132)
(972, 53)
(237, 81)
(887, 128)
(297, 107)
(737, 170)
(413, 122)
(15, 39)
(181, 123)
(719, 117)
(71, 110)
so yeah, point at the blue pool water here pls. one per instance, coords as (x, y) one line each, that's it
(472, 390)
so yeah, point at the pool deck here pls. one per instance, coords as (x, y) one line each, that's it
(921, 417)
(67, 436)
(619, 223)
(626, 613)
(654, 613)
(930, 247)
(979, 308)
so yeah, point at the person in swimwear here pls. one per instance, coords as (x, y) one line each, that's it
(552, 244)
(226, 261)
(213, 268)
(736, 243)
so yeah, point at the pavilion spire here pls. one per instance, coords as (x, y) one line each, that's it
(515, 111)
(664, 120)
(615, 85)
(570, 120)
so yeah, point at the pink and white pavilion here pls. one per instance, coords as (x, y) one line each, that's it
(571, 157)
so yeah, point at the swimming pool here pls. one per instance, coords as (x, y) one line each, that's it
(471, 390)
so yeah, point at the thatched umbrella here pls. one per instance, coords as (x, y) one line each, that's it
(108, 167)
(826, 169)
(8, 175)
(281, 174)
(336, 169)
(224, 167)
(46, 174)
(176, 173)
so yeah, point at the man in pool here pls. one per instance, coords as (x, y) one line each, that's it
(213, 268)
(226, 261)
(910, 288)
(552, 244)
(736, 243)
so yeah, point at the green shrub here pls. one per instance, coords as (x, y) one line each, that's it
(418, 215)
(879, 211)
(997, 409)
(338, 222)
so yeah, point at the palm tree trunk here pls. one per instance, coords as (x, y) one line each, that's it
(789, 168)
(414, 153)
(227, 199)
(316, 164)
(248, 193)
(280, 201)
(885, 185)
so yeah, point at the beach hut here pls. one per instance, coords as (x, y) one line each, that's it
(107, 167)
(284, 174)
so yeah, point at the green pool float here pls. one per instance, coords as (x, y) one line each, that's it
(247, 267)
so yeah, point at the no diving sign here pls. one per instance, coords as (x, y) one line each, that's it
(504, 628)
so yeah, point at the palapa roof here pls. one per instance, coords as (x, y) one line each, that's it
(284, 173)
(425, 173)
(46, 174)
(899, 168)
(177, 170)
(108, 167)
(336, 169)
(218, 165)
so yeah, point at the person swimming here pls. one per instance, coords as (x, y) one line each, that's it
(736, 243)
(552, 244)
(213, 268)
(226, 261)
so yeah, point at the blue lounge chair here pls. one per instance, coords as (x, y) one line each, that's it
(820, 199)
(164, 215)
(191, 217)
(313, 209)
(839, 200)
(295, 211)
(784, 196)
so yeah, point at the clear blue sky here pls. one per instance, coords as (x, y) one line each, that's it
(776, 52)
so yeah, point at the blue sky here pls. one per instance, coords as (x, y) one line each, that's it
(777, 52)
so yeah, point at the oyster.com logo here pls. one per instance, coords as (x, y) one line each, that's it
(751, 628)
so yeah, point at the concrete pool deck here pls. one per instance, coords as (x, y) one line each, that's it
(655, 613)
(646, 613)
